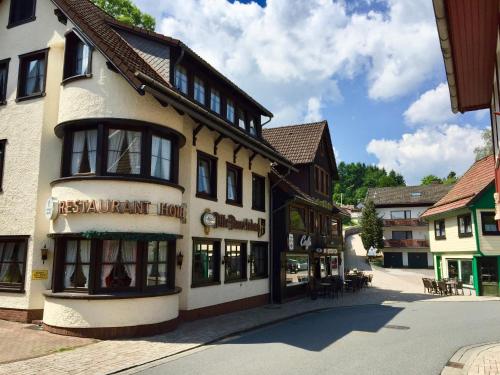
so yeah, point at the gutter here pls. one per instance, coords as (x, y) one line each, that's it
(175, 99)
(446, 49)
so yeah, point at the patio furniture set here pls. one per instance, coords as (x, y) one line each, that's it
(444, 287)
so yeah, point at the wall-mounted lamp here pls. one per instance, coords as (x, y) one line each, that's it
(45, 253)
(180, 259)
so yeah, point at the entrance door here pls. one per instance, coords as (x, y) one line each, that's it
(417, 260)
(393, 260)
(488, 276)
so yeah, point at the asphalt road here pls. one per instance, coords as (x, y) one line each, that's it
(400, 338)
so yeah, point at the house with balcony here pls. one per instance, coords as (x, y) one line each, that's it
(406, 240)
(463, 232)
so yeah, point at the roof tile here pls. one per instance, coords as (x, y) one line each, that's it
(408, 195)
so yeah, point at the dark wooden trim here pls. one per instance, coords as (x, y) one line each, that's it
(244, 260)
(201, 285)
(117, 178)
(5, 287)
(219, 139)
(250, 160)
(224, 308)
(236, 151)
(108, 333)
(21, 81)
(75, 78)
(236, 281)
(196, 130)
(437, 238)
(268, 254)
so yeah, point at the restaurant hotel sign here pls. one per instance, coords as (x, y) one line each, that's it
(217, 220)
(55, 208)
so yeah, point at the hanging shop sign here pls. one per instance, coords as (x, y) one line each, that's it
(54, 208)
(291, 242)
(306, 241)
(217, 220)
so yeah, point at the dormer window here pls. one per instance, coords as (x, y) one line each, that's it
(199, 90)
(230, 111)
(253, 129)
(181, 80)
(76, 57)
(241, 119)
(21, 11)
(215, 101)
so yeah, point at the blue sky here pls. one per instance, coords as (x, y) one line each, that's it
(372, 68)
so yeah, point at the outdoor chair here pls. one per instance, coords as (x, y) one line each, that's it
(443, 288)
(459, 286)
(427, 285)
(434, 286)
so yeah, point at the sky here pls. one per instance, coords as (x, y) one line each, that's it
(372, 68)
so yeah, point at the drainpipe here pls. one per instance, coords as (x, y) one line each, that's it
(271, 222)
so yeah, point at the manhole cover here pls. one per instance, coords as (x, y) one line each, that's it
(392, 326)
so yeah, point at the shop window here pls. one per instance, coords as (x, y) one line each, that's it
(4, 73)
(161, 158)
(235, 261)
(241, 119)
(3, 142)
(258, 192)
(464, 226)
(32, 75)
(206, 262)
(396, 215)
(461, 269)
(297, 219)
(230, 111)
(157, 265)
(21, 11)
(453, 269)
(118, 264)
(77, 264)
(199, 90)
(258, 260)
(77, 56)
(215, 101)
(297, 269)
(84, 152)
(124, 152)
(12, 263)
(439, 229)
(207, 176)
(233, 185)
(402, 235)
(489, 224)
(180, 79)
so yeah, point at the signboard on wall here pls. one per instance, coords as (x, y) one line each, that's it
(217, 220)
(291, 244)
(39, 274)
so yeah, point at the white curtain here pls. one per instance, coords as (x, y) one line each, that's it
(129, 250)
(160, 158)
(162, 258)
(82, 58)
(92, 147)
(109, 255)
(77, 155)
(71, 250)
(166, 152)
(34, 78)
(155, 157)
(203, 177)
(115, 142)
(134, 149)
(85, 258)
(231, 185)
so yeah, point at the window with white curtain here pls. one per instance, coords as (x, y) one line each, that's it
(161, 157)
(124, 152)
(84, 152)
(157, 263)
(76, 57)
(206, 176)
(119, 259)
(233, 184)
(77, 264)
(12, 263)
(32, 75)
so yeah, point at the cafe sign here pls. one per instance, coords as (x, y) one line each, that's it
(217, 220)
(55, 208)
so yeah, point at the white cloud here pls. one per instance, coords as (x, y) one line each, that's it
(431, 108)
(293, 50)
(430, 150)
(313, 110)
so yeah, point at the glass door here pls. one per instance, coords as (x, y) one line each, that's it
(488, 276)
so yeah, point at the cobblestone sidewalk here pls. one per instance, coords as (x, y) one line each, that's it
(482, 359)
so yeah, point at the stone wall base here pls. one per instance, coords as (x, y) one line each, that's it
(20, 315)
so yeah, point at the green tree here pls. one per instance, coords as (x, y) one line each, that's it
(125, 11)
(371, 227)
(487, 147)
(451, 178)
(431, 179)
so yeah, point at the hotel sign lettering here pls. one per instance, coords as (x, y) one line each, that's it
(216, 220)
(108, 206)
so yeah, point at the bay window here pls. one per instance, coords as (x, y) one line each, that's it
(161, 158)
(157, 266)
(235, 261)
(84, 151)
(77, 264)
(13, 253)
(77, 55)
(32, 75)
(119, 261)
(124, 152)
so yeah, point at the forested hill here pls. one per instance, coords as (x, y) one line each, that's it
(356, 178)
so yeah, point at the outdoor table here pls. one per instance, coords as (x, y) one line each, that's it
(452, 286)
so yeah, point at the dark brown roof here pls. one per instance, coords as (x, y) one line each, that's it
(408, 195)
(104, 32)
(298, 143)
(479, 176)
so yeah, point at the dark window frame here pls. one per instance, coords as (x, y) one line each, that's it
(258, 203)
(3, 91)
(483, 227)
(69, 70)
(21, 82)
(215, 280)
(213, 170)
(12, 23)
(442, 229)
(242, 261)
(3, 147)
(407, 237)
(252, 260)
(203, 85)
(5, 287)
(233, 111)
(177, 69)
(239, 184)
(321, 180)
(170, 262)
(215, 93)
(91, 260)
(464, 234)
